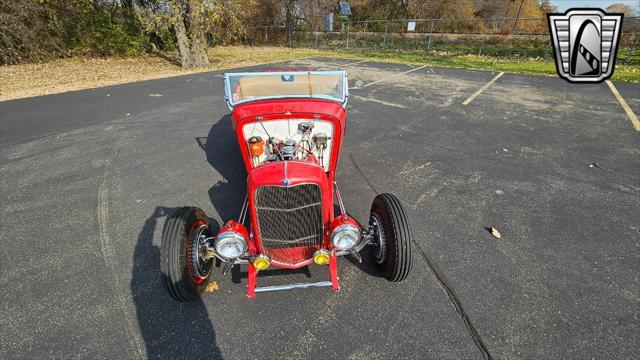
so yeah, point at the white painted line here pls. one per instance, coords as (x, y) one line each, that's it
(386, 103)
(418, 68)
(625, 106)
(485, 87)
(357, 62)
(406, 72)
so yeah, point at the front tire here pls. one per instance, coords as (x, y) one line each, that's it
(184, 273)
(390, 221)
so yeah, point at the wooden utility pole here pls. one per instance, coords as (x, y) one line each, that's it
(506, 14)
(517, 16)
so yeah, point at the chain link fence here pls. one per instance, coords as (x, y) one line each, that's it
(503, 37)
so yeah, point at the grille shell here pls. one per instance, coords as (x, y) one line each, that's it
(290, 221)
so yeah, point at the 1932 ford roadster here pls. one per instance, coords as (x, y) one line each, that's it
(290, 127)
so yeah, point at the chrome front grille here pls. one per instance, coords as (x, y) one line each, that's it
(290, 221)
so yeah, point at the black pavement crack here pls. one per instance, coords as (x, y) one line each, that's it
(363, 175)
(444, 282)
(453, 298)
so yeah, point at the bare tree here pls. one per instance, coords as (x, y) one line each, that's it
(27, 32)
(424, 9)
(197, 31)
(184, 46)
(627, 10)
(192, 44)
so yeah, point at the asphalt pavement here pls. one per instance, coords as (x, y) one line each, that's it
(87, 179)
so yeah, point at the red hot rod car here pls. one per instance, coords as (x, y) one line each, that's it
(290, 128)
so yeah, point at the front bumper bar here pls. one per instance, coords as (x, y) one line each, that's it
(293, 286)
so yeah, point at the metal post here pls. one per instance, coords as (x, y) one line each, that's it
(632, 49)
(384, 41)
(266, 36)
(430, 34)
(347, 35)
(482, 43)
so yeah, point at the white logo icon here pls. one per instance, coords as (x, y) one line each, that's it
(585, 42)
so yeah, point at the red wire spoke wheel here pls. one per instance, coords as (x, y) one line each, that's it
(184, 271)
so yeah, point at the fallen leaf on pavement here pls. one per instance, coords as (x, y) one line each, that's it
(211, 287)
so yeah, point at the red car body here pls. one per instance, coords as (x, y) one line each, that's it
(290, 129)
(299, 172)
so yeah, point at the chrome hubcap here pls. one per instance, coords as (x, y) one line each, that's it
(381, 252)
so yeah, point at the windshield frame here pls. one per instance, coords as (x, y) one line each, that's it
(341, 73)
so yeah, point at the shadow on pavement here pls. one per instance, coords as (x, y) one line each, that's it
(170, 329)
(368, 264)
(221, 148)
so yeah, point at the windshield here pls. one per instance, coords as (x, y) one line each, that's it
(243, 87)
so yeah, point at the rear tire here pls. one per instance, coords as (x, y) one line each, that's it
(184, 275)
(394, 246)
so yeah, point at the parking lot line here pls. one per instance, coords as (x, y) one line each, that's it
(386, 103)
(632, 116)
(485, 87)
(406, 72)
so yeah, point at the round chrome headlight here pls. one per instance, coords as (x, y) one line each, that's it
(230, 245)
(344, 237)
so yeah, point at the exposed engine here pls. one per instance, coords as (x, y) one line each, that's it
(307, 143)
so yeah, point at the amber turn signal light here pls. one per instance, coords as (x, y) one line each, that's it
(321, 257)
(261, 262)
